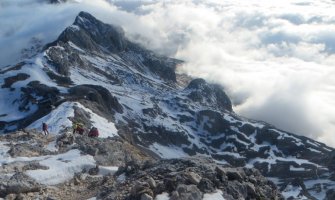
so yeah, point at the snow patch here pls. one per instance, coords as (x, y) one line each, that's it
(292, 192)
(104, 170)
(314, 150)
(61, 167)
(106, 128)
(292, 168)
(57, 119)
(167, 151)
(121, 178)
(52, 146)
(3, 152)
(163, 196)
(75, 46)
(214, 196)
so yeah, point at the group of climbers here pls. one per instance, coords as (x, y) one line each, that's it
(77, 128)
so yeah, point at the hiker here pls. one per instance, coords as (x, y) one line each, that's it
(74, 127)
(45, 128)
(93, 132)
(78, 128)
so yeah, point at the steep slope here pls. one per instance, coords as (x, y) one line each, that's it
(141, 99)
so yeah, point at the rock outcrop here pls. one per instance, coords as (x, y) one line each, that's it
(139, 176)
(187, 178)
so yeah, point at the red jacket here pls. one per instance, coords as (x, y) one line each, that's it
(93, 132)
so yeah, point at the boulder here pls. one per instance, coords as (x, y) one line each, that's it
(193, 178)
(146, 196)
(234, 175)
(19, 183)
(206, 186)
(94, 171)
(186, 192)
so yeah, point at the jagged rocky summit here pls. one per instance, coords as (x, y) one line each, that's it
(93, 74)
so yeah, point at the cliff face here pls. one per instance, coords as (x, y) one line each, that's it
(93, 74)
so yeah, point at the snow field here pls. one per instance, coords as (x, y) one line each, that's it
(59, 119)
(62, 167)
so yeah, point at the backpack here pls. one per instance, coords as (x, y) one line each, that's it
(93, 132)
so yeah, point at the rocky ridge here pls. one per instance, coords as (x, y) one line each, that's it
(93, 73)
(138, 176)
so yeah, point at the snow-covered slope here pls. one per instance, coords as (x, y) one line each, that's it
(94, 75)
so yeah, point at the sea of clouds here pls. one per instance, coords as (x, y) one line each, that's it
(275, 60)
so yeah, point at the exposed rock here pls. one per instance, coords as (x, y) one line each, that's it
(233, 174)
(57, 1)
(152, 183)
(189, 192)
(139, 189)
(65, 140)
(203, 92)
(27, 150)
(206, 186)
(94, 171)
(20, 166)
(112, 152)
(98, 94)
(193, 178)
(11, 197)
(11, 80)
(170, 177)
(330, 194)
(146, 196)
(19, 183)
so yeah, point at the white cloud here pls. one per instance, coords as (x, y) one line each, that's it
(276, 60)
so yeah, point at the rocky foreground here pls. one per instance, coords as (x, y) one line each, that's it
(115, 169)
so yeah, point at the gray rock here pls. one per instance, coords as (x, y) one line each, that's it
(234, 175)
(9, 81)
(206, 186)
(201, 91)
(140, 188)
(11, 197)
(330, 195)
(251, 190)
(27, 150)
(65, 139)
(170, 176)
(146, 196)
(94, 171)
(193, 178)
(186, 192)
(21, 183)
(99, 95)
(151, 182)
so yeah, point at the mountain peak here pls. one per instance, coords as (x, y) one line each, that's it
(85, 19)
(202, 91)
(89, 33)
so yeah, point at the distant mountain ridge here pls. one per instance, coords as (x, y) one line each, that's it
(95, 65)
